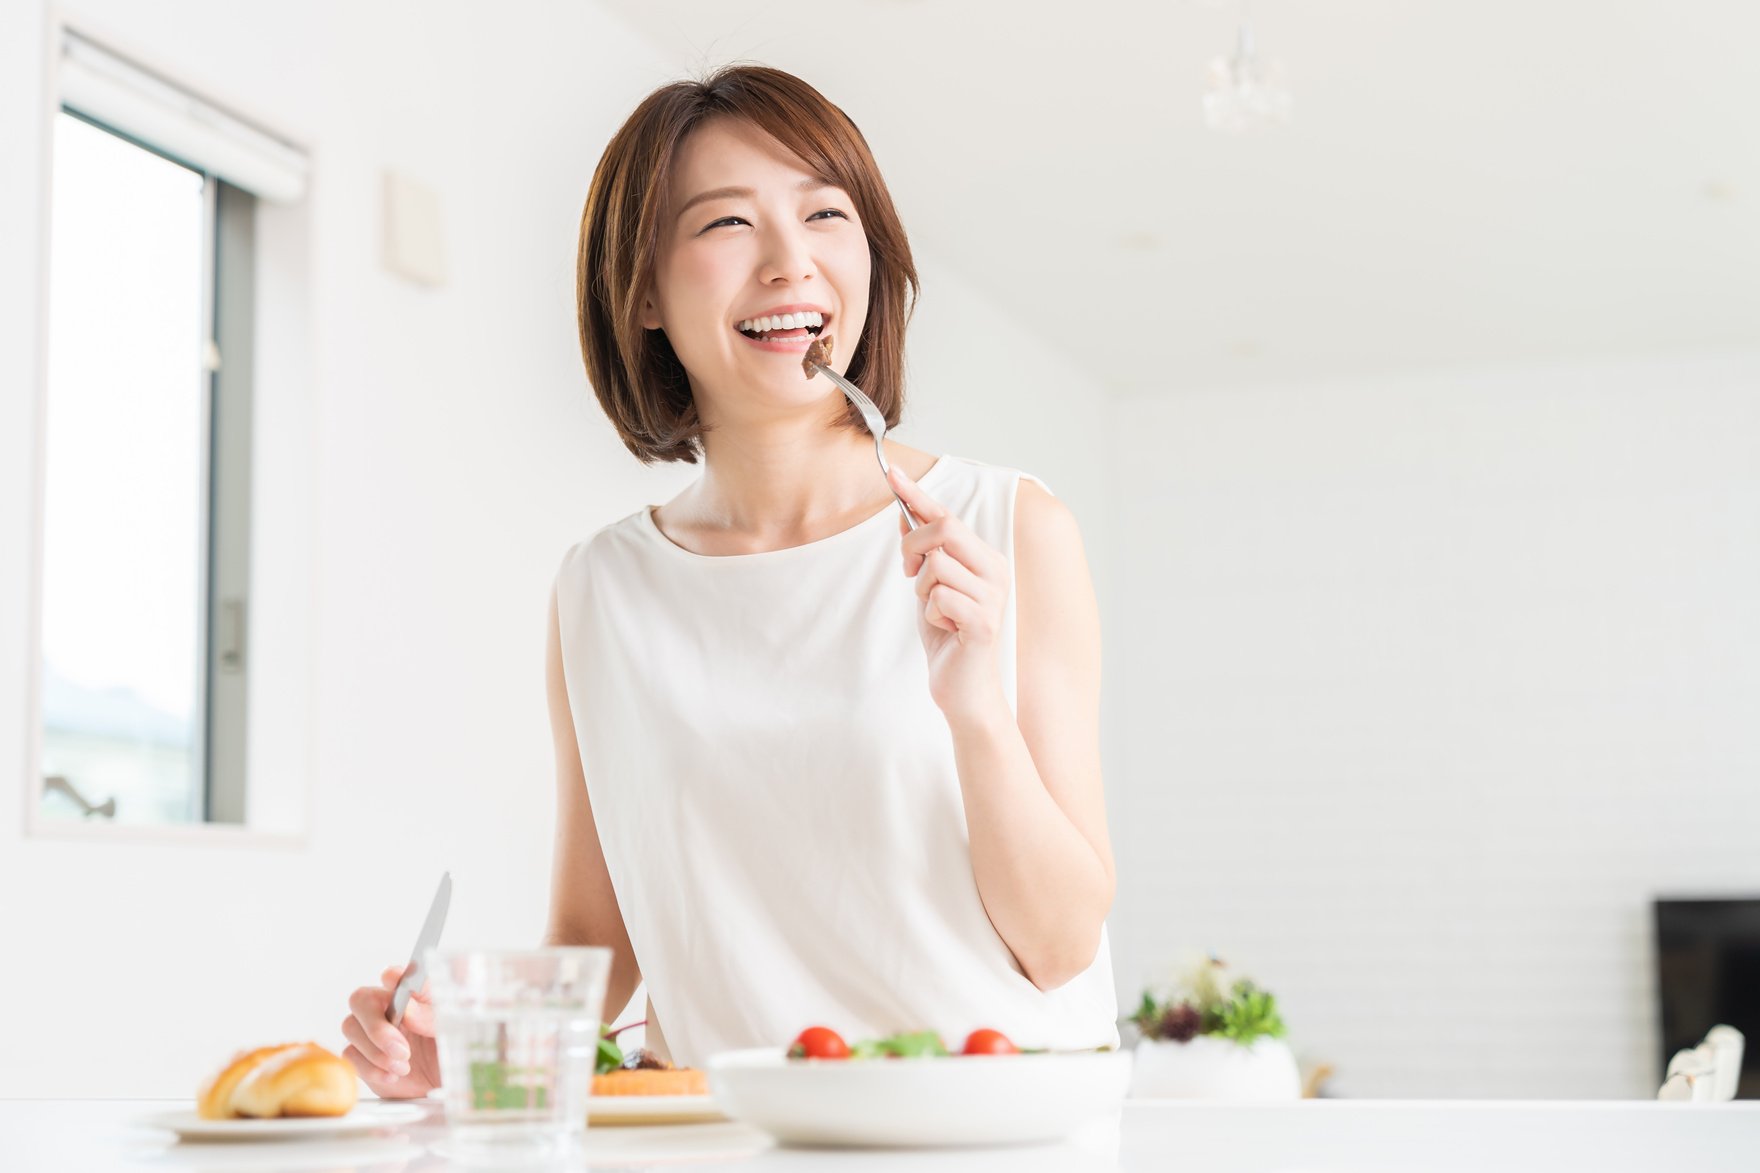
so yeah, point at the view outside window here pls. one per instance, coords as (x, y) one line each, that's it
(125, 535)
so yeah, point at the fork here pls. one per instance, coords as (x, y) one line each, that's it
(876, 424)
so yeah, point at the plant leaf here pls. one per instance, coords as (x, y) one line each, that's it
(609, 1057)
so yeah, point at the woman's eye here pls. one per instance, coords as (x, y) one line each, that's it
(742, 219)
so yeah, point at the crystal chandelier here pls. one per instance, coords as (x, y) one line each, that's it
(1246, 91)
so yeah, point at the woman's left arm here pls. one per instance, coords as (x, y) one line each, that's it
(1035, 810)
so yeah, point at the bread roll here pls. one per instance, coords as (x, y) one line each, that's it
(292, 1079)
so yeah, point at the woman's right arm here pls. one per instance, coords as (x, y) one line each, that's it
(583, 906)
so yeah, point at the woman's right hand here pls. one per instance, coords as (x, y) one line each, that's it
(397, 1062)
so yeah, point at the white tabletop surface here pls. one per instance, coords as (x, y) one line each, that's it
(99, 1136)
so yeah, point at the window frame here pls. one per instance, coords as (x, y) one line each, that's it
(285, 763)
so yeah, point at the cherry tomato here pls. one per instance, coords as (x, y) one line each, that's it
(818, 1042)
(988, 1042)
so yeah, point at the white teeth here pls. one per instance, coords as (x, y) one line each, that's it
(782, 322)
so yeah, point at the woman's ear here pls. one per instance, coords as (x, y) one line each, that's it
(650, 313)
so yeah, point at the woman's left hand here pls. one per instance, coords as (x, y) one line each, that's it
(963, 584)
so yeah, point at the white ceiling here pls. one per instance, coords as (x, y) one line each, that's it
(1471, 182)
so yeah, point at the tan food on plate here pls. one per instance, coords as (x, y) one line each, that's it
(818, 351)
(291, 1079)
(649, 1075)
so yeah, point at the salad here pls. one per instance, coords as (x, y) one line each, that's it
(1208, 998)
(821, 1042)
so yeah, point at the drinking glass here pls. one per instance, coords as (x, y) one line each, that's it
(517, 1031)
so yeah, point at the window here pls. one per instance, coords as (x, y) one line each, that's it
(145, 590)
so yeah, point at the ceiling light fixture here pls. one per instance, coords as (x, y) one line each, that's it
(1246, 91)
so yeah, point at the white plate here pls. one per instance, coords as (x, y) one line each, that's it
(365, 1117)
(895, 1103)
(617, 1110)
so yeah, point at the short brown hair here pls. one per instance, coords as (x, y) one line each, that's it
(640, 382)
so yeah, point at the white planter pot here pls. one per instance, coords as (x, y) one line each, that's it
(1212, 1068)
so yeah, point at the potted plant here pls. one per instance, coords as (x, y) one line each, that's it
(1213, 1035)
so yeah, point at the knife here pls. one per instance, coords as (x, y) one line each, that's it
(416, 972)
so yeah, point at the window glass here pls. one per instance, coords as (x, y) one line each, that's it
(125, 525)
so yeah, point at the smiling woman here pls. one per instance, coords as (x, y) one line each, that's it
(640, 195)
(790, 788)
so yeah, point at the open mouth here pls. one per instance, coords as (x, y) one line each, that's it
(784, 331)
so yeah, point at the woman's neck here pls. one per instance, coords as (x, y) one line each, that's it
(782, 485)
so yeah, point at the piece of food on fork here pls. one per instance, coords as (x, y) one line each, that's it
(819, 352)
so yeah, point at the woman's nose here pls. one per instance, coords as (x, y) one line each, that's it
(786, 255)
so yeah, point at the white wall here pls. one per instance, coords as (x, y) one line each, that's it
(459, 452)
(983, 385)
(1426, 687)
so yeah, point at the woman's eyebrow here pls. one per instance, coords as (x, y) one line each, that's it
(810, 183)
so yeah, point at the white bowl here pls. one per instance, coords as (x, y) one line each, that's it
(896, 1103)
(1213, 1068)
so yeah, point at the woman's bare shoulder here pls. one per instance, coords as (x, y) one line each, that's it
(1044, 527)
(914, 461)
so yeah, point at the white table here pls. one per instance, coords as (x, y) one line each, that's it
(98, 1136)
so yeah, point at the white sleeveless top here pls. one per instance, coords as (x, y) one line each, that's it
(776, 795)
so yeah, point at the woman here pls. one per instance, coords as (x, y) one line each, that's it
(792, 790)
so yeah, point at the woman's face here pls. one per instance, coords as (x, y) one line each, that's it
(753, 233)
